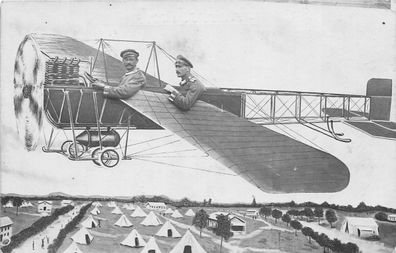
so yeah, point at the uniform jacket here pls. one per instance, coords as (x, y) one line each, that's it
(129, 85)
(191, 89)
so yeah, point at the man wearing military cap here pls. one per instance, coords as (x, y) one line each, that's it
(190, 87)
(131, 82)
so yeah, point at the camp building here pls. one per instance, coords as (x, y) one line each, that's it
(157, 206)
(361, 227)
(5, 227)
(44, 207)
(238, 225)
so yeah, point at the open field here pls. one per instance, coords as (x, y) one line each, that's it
(261, 234)
(108, 236)
(258, 235)
(26, 215)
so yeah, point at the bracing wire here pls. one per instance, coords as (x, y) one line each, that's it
(187, 167)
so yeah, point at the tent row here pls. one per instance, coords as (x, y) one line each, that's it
(140, 213)
(9, 204)
(187, 243)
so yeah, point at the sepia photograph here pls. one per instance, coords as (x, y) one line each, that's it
(183, 126)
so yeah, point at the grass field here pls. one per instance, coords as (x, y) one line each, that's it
(107, 238)
(26, 216)
(258, 235)
(285, 241)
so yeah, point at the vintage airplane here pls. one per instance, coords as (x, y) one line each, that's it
(226, 124)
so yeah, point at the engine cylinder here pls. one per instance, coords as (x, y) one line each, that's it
(90, 138)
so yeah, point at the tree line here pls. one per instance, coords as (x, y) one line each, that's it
(291, 216)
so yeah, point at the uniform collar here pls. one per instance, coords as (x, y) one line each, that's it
(187, 79)
(132, 72)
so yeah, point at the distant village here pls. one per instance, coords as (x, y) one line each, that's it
(158, 224)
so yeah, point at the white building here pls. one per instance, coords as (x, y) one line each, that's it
(5, 228)
(238, 225)
(361, 227)
(44, 207)
(391, 217)
(252, 213)
(157, 206)
(67, 202)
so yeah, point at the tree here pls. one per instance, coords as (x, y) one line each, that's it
(325, 204)
(17, 201)
(293, 212)
(323, 241)
(361, 207)
(254, 202)
(4, 201)
(308, 213)
(307, 231)
(286, 218)
(337, 245)
(200, 220)
(331, 216)
(223, 228)
(301, 213)
(265, 211)
(318, 212)
(296, 225)
(350, 248)
(381, 216)
(276, 214)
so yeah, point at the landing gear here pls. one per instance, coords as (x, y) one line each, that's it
(65, 147)
(95, 155)
(76, 150)
(109, 157)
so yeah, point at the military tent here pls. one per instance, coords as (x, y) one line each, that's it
(190, 213)
(123, 222)
(188, 243)
(73, 248)
(168, 230)
(134, 239)
(138, 212)
(111, 204)
(151, 247)
(151, 220)
(361, 227)
(176, 214)
(116, 210)
(89, 222)
(95, 211)
(82, 236)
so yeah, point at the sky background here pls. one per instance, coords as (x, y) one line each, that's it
(242, 44)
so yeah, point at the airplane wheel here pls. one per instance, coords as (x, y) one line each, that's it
(72, 151)
(109, 157)
(65, 147)
(95, 154)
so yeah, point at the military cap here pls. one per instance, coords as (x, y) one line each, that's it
(183, 60)
(129, 52)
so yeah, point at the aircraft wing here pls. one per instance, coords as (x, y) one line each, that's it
(269, 160)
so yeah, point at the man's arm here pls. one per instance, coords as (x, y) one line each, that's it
(186, 102)
(128, 87)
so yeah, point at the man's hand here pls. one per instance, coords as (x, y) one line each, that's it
(170, 89)
(98, 85)
(90, 78)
